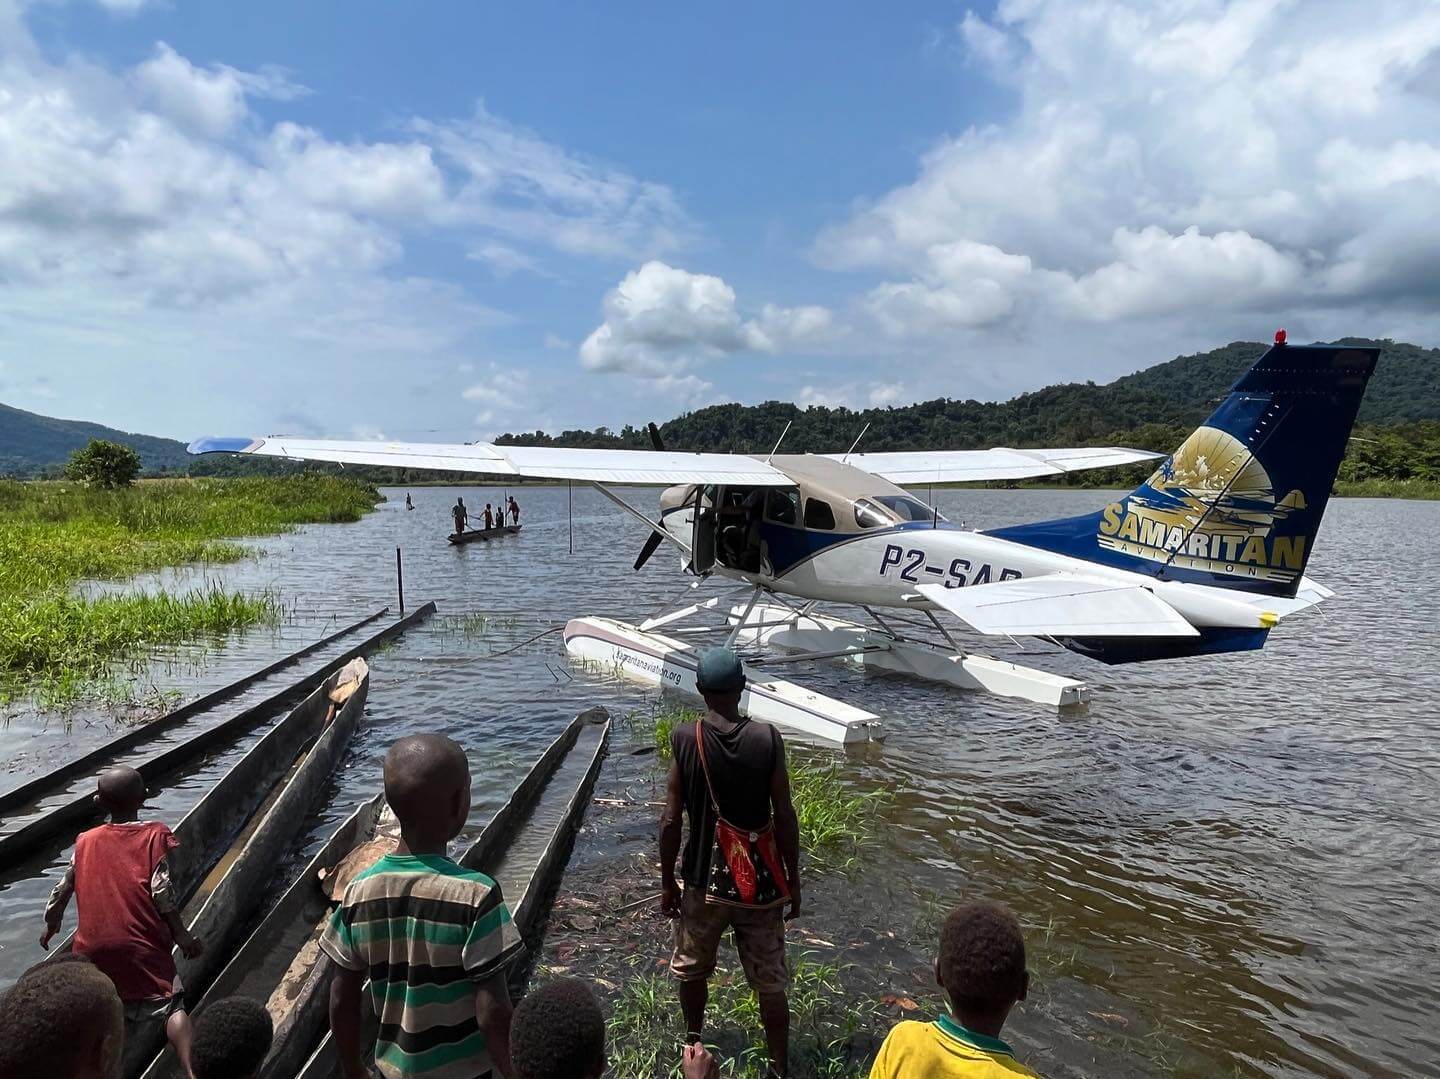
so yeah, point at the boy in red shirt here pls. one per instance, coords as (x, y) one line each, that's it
(128, 914)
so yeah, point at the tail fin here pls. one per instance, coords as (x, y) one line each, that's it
(1239, 503)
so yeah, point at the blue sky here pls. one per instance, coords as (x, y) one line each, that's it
(449, 220)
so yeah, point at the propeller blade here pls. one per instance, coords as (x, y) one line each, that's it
(652, 541)
(655, 440)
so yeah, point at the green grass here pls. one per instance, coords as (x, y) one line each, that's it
(836, 822)
(1380, 488)
(56, 646)
(829, 1033)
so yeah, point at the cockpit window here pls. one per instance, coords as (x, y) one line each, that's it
(782, 506)
(907, 508)
(818, 514)
(885, 510)
(869, 515)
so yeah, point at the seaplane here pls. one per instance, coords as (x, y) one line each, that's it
(1207, 556)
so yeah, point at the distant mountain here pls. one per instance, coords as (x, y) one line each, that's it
(30, 443)
(1151, 409)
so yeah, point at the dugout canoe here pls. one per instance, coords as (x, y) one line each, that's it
(232, 840)
(69, 807)
(52, 782)
(477, 534)
(297, 994)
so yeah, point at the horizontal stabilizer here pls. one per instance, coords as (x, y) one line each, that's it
(1061, 605)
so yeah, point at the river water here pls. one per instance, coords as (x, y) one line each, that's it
(1226, 865)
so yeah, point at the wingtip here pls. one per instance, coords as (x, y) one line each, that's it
(212, 444)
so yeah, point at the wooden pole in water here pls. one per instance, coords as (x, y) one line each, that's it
(400, 580)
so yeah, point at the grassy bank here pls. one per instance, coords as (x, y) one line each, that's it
(55, 645)
(1377, 488)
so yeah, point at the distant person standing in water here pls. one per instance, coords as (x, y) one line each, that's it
(461, 515)
(514, 511)
(489, 517)
(408, 504)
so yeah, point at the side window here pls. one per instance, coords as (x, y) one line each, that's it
(782, 505)
(869, 515)
(818, 514)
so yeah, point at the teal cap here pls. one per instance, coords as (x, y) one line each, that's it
(719, 671)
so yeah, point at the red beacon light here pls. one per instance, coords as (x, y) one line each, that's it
(1279, 337)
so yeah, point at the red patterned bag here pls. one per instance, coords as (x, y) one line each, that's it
(745, 867)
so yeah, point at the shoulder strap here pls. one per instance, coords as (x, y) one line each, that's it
(704, 765)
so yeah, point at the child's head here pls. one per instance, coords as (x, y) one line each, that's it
(62, 1018)
(558, 1033)
(427, 783)
(120, 791)
(982, 964)
(232, 1039)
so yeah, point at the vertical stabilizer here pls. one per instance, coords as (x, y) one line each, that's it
(1238, 505)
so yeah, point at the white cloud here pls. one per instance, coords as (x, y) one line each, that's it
(161, 183)
(503, 259)
(555, 341)
(209, 101)
(515, 183)
(125, 7)
(1163, 159)
(661, 320)
(854, 395)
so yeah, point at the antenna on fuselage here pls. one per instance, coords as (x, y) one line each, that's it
(779, 440)
(855, 443)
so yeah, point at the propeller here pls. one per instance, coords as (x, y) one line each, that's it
(652, 541)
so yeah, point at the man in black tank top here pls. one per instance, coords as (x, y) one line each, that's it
(746, 763)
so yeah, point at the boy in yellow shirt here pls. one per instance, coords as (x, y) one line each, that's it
(982, 969)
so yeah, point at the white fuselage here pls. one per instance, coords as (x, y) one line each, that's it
(883, 568)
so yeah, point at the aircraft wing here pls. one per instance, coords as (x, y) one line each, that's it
(1061, 605)
(532, 462)
(961, 466)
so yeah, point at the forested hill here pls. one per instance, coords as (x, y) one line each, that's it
(31, 443)
(1146, 409)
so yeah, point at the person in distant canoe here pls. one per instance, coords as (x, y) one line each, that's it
(514, 511)
(128, 913)
(489, 517)
(461, 515)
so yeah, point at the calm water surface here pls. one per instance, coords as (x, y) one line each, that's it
(1225, 865)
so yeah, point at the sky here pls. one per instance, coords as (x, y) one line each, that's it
(442, 221)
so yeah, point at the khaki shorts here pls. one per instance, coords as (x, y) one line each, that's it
(759, 938)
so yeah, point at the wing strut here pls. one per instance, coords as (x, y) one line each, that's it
(658, 530)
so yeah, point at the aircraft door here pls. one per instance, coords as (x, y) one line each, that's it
(702, 540)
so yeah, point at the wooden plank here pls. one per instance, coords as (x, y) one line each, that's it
(33, 789)
(74, 815)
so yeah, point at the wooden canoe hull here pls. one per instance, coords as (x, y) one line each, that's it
(480, 534)
(74, 816)
(224, 811)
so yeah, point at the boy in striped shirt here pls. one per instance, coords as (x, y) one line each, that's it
(434, 939)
